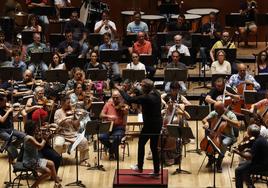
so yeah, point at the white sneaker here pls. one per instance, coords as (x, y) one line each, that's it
(135, 168)
(206, 67)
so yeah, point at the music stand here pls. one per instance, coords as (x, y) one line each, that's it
(36, 57)
(147, 60)
(263, 80)
(78, 139)
(215, 151)
(10, 73)
(65, 13)
(97, 127)
(55, 39)
(252, 97)
(43, 11)
(94, 39)
(3, 55)
(133, 75)
(27, 36)
(96, 74)
(229, 52)
(129, 40)
(197, 113)
(182, 133)
(57, 76)
(72, 61)
(110, 55)
(235, 20)
(96, 108)
(175, 74)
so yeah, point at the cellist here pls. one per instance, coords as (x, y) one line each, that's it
(225, 129)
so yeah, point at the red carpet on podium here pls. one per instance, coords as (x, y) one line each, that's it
(129, 178)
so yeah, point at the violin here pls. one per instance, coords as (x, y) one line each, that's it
(246, 143)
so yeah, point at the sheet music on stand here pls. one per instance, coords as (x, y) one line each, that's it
(96, 74)
(184, 132)
(175, 74)
(57, 76)
(110, 55)
(94, 39)
(43, 10)
(77, 141)
(10, 73)
(129, 40)
(96, 108)
(199, 40)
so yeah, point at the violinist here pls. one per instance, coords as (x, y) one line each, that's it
(6, 122)
(242, 77)
(226, 136)
(217, 92)
(39, 117)
(24, 87)
(67, 131)
(37, 102)
(256, 158)
(77, 98)
(78, 75)
(114, 110)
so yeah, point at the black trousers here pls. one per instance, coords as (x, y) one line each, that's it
(49, 153)
(143, 138)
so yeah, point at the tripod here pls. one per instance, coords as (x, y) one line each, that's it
(97, 127)
(74, 146)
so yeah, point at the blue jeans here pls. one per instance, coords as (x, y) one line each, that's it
(203, 55)
(42, 68)
(112, 140)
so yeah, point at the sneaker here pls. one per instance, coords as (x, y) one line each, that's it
(154, 175)
(206, 67)
(136, 168)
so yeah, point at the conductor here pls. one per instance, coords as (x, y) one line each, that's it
(150, 101)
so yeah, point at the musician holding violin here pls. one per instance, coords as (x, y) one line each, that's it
(219, 126)
(114, 110)
(256, 158)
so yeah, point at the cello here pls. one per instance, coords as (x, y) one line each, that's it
(217, 129)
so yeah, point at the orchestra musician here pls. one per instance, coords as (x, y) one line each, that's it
(135, 64)
(226, 135)
(32, 24)
(56, 63)
(31, 159)
(137, 25)
(6, 121)
(217, 92)
(68, 131)
(178, 46)
(221, 66)
(262, 62)
(242, 77)
(114, 110)
(24, 87)
(78, 76)
(256, 158)
(7, 48)
(181, 24)
(150, 101)
(248, 8)
(225, 42)
(39, 118)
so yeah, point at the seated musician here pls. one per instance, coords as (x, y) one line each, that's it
(17, 62)
(175, 63)
(6, 122)
(180, 25)
(36, 47)
(221, 66)
(78, 76)
(248, 8)
(171, 147)
(175, 95)
(178, 46)
(135, 64)
(105, 25)
(224, 42)
(262, 62)
(114, 110)
(40, 118)
(32, 24)
(24, 87)
(256, 158)
(212, 29)
(137, 25)
(217, 92)
(243, 78)
(37, 102)
(67, 131)
(56, 63)
(108, 44)
(7, 48)
(226, 135)
(79, 99)
(32, 160)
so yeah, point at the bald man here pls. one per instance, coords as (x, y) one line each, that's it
(114, 111)
(178, 46)
(243, 77)
(227, 138)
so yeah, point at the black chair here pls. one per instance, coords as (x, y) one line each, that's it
(18, 167)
